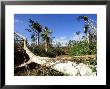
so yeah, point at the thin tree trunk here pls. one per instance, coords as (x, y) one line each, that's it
(38, 38)
(87, 37)
(46, 46)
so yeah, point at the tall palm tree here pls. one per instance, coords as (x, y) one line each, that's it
(85, 18)
(36, 28)
(86, 27)
(46, 37)
(33, 40)
(86, 31)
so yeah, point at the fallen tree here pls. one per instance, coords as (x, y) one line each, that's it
(66, 67)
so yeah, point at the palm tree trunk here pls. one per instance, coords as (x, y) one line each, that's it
(46, 46)
(87, 37)
(38, 38)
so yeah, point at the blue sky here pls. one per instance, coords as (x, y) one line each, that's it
(63, 25)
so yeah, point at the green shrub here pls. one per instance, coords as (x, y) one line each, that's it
(93, 62)
(53, 52)
(58, 51)
(94, 69)
(82, 48)
(39, 51)
(92, 48)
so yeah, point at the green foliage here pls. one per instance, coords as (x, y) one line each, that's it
(82, 48)
(93, 62)
(94, 69)
(92, 48)
(79, 48)
(34, 28)
(46, 33)
(60, 51)
(39, 51)
(51, 52)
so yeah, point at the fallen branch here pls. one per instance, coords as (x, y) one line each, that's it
(66, 67)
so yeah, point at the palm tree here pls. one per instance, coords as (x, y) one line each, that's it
(36, 28)
(46, 37)
(85, 18)
(86, 31)
(86, 27)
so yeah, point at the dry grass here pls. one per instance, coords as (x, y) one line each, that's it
(72, 58)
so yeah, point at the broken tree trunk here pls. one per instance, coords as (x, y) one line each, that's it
(66, 67)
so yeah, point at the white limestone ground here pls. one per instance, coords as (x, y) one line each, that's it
(66, 67)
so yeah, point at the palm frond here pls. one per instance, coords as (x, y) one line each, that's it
(85, 18)
(29, 30)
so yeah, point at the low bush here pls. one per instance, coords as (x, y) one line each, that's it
(51, 52)
(82, 48)
(39, 51)
(93, 62)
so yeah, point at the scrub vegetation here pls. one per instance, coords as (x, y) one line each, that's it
(78, 51)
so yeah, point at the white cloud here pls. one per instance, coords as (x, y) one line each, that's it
(77, 37)
(62, 40)
(18, 21)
